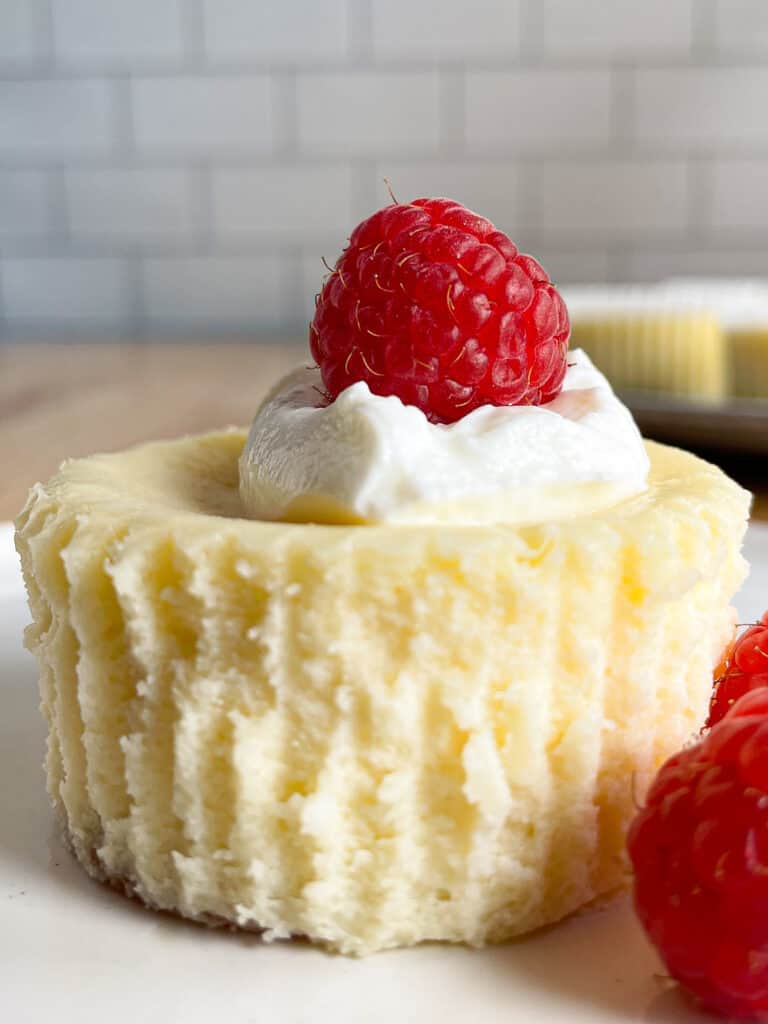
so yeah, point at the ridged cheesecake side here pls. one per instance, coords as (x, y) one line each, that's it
(674, 353)
(369, 736)
(749, 355)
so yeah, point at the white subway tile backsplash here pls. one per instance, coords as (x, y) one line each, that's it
(489, 187)
(206, 292)
(430, 29)
(136, 205)
(709, 107)
(203, 116)
(244, 30)
(740, 196)
(197, 157)
(55, 119)
(288, 203)
(656, 264)
(21, 40)
(69, 291)
(24, 205)
(116, 31)
(538, 109)
(612, 198)
(617, 27)
(368, 112)
(741, 27)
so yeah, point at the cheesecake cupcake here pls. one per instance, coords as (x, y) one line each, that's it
(648, 340)
(697, 338)
(393, 666)
(741, 309)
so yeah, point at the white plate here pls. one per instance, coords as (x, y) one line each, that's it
(73, 950)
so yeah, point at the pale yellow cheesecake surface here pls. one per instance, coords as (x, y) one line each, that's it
(370, 736)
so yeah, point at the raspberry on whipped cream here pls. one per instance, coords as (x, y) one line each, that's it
(445, 391)
(430, 302)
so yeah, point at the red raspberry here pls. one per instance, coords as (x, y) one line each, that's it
(431, 303)
(745, 669)
(699, 848)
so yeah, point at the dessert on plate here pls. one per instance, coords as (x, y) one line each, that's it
(393, 666)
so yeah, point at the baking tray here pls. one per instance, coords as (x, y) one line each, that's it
(734, 424)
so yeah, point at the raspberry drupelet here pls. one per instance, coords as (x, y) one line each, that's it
(430, 302)
(745, 669)
(699, 849)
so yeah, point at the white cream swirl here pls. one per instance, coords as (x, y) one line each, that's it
(369, 459)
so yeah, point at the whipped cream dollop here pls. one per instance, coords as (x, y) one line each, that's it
(370, 459)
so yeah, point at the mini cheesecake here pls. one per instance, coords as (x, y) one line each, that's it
(646, 340)
(693, 337)
(370, 736)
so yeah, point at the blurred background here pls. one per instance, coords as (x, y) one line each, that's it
(178, 167)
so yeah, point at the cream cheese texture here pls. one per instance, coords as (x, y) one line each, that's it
(371, 459)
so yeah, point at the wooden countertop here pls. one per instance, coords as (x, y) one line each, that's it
(65, 400)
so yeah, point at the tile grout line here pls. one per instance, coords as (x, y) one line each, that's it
(283, 87)
(4, 331)
(359, 20)
(183, 157)
(451, 110)
(527, 196)
(623, 110)
(243, 68)
(58, 205)
(699, 172)
(532, 24)
(193, 35)
(292, 299)
(46, 32)
(133, 286)
(360, 55)
(703, 30)
(123, 126)
(365, 188)
(200, 182)
(617, 263)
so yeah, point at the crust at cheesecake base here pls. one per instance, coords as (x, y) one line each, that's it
(369, 736)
